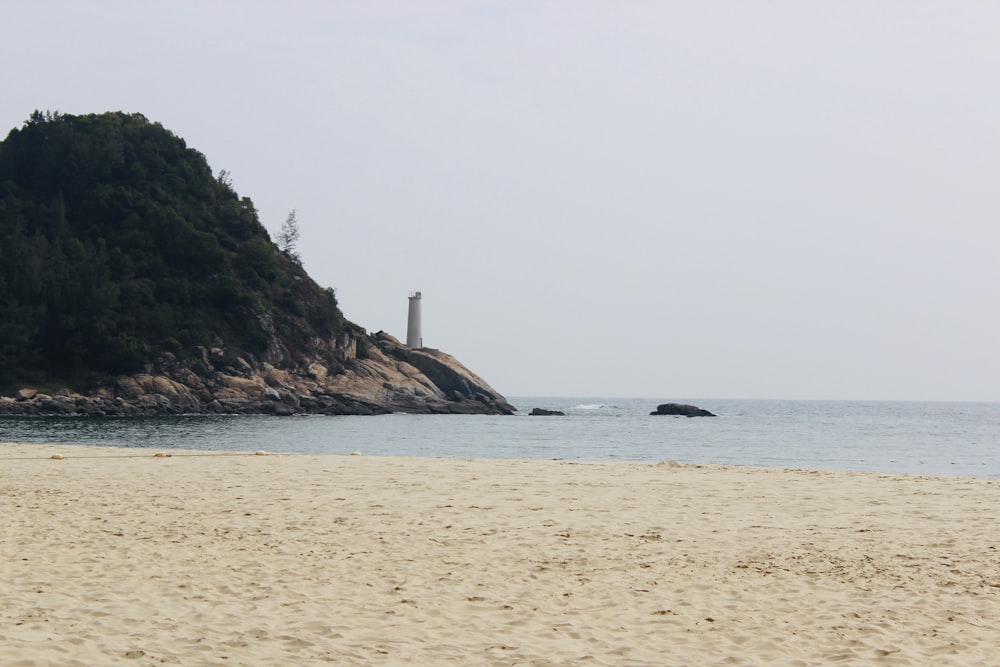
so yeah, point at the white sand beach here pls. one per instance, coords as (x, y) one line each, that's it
(116, 557)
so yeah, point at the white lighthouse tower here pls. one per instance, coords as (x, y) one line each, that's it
(414, 337)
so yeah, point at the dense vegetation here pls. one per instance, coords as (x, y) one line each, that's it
(117, 243)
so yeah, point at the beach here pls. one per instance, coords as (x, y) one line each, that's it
(117, 556)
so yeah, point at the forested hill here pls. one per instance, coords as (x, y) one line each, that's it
(119, 243)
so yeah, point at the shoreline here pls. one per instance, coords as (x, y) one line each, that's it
(207, 558)
(168, 451)
(882, 437)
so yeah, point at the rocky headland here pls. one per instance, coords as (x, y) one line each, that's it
(133, 281)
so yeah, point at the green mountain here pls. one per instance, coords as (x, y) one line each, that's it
(118, 244)
(122, 255)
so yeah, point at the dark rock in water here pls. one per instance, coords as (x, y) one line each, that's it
(680, 410)
(542, 412)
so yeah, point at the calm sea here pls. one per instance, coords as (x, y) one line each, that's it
(961, 439)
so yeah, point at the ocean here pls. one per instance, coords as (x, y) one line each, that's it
(952, 439)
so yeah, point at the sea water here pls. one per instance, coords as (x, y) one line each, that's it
(955, 439)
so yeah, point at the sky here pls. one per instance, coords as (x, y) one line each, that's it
(631, 198)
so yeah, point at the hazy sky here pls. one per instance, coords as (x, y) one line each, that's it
(597, 198)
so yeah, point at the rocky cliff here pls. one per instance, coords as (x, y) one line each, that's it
(389, 378)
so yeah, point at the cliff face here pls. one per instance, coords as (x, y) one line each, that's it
(391, 378)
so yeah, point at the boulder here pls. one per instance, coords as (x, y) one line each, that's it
(57, 405)
(681, 410)
(251, 388)
(318, 371)
(282, 409)
(542, 412)
(26, 394)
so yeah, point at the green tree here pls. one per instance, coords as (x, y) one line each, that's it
(288, 238)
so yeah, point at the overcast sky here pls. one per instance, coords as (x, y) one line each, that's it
(659, 199)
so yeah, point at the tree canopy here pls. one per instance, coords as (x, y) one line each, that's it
(118, 243)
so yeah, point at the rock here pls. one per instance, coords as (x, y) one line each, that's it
(391, 377)
(130, 387)
(681, 410)
(58, 405)
(318, 372)
(282, 409)
(333, 380)
(542, 412)
(345, 347)
(240, 385)
(277, 378)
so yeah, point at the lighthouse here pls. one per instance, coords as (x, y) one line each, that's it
(414, 337)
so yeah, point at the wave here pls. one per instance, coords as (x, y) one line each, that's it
(588, 406)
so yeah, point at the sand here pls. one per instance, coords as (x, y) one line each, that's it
(117, 557)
